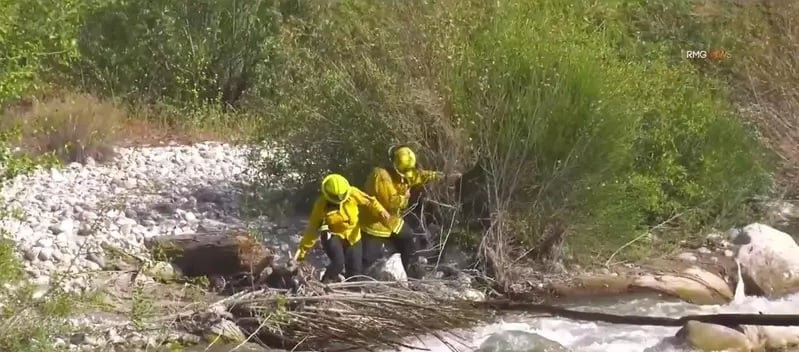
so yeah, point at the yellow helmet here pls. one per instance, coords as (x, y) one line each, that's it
(404, 160)
(335, 188)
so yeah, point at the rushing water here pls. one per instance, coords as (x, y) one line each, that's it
(600, 337)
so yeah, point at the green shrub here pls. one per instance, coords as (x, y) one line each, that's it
(575, 127)
(615, 142)
(38, 41)
(356, 77)
(183, 54)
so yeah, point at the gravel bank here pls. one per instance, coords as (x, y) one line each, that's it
(65, 217)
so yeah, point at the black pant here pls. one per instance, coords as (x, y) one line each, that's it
(343, 256)
(402, 241)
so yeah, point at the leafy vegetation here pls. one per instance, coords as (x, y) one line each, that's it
(584, 117)
(571, 128)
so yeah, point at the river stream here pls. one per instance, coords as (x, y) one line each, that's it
(581, 336)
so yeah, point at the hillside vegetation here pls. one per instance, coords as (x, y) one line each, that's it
(583, 122)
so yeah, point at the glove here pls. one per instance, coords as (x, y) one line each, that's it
(299, 255)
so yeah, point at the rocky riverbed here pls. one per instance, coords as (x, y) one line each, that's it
(70, 225)
(68, 218)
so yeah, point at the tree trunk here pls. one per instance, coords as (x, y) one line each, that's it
(224, 254)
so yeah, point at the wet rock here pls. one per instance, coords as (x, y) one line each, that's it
(694, 285)
(519, 341)
(769, 260)
(712, 337)
(776, 337)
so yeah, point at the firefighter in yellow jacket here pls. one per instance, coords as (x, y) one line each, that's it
(392, 187)
(335, 216)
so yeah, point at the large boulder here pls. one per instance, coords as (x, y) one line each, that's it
(519, 341)
(693, 285)
(769, 260)
(712, 337)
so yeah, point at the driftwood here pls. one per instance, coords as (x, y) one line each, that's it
(224, 254)
(369, 316)
(730, 320)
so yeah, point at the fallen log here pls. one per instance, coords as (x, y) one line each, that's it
(223, 254)
(732, 320)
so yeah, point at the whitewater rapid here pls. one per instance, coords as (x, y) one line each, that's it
(580, 336)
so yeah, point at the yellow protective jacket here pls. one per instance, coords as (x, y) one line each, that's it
(390, 189)
(339, 219)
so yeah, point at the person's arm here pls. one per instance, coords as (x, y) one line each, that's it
(311, 233)
(426, 176)
(384, 190)
(371, 203)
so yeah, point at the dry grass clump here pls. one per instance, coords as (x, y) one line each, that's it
(769, 76)
(764, 66)
(71, 126)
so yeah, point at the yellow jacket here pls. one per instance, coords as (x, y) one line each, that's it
(390, 190)
(340, 219)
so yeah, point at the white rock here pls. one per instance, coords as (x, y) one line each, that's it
(770, 258)
(694, 285)
(190, 217)
(391, 269)
(779, 337)
(32, 254)
(711, 337)
(473, 295)
(45, 254)
(79, 205)
(728, 253)
(687, 257)
(66, 226)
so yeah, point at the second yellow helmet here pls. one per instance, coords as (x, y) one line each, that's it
(404, 160)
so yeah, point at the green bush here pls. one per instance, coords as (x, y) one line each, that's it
(183, 54)
(575, 128)
(38, 41)
(357, 76)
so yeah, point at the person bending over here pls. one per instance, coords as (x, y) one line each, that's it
(334, 218)
(392, 188)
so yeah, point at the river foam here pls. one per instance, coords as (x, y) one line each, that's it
(582, 336)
